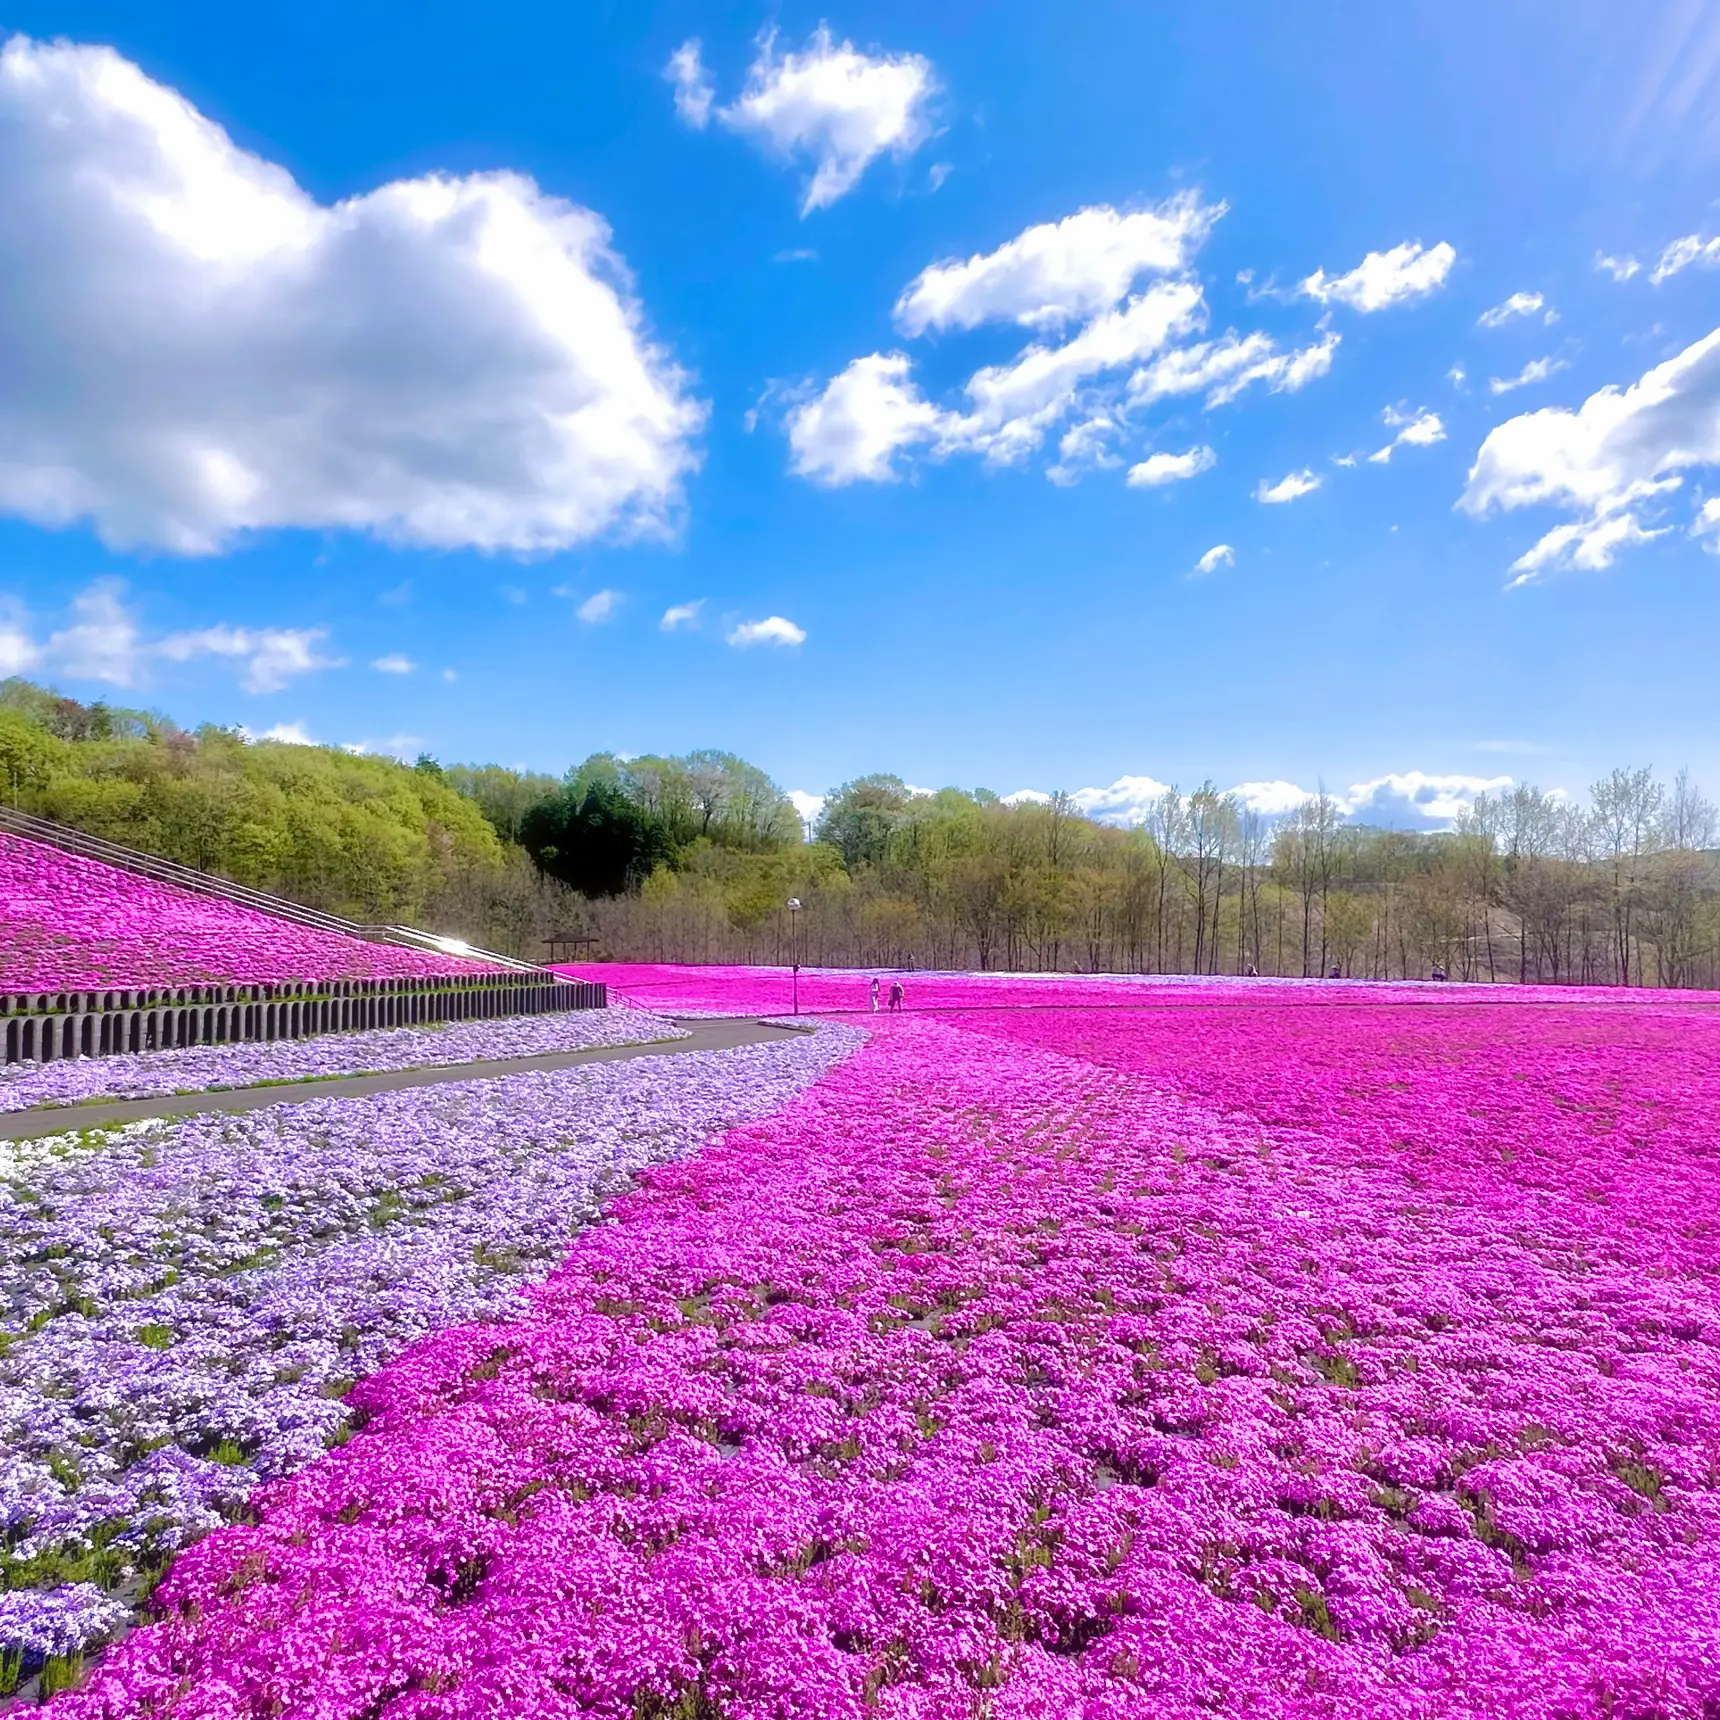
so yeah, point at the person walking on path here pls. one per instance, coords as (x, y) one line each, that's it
(874, 994)
(895, 995)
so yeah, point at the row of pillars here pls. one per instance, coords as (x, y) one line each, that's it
(104, 1029)
(80, 1002)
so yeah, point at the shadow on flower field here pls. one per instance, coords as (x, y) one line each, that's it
(1270, 1361)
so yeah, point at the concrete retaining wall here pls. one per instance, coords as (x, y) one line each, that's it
(42, 1027)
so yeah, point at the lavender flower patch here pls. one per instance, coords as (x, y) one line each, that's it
(184, 1304)
(208, 1068)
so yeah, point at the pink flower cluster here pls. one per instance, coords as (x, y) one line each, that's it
(1166, 1362)
(71, 924)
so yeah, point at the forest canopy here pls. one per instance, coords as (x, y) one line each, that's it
(694, 857)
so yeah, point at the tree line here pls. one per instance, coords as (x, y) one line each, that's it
(695, 857)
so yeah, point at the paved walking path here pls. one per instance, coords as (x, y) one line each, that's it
(704, 1034)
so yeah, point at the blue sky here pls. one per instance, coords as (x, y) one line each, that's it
(916, 355)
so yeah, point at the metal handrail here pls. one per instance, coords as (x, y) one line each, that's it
(115, 854)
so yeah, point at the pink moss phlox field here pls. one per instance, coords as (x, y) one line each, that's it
(71, 924)
(988, 1380)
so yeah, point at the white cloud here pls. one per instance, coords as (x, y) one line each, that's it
(1290, 488)
(836, 105)
(693, 92)
(1458, 376)
(1085, 267)
(807, 806)
(853, 430)
(271, 656)
(394, 664)
(1230, 364)
(1707, 523)
(1129, 800)
(1220, 555)
(1086, 447)
(1536, 370)
(1059, 272)
(1414, 430)
(1619, 451)
(773, 630)
(1159, 469)
(286, 734)
(1620, 268)
(1683, 253)
(1012, 404)
(1518, 305)
(599, 606)
(401, 747)
(1385, 278)
(1416, 798)
(197, 348)
(679, 615)
(511, 593)
(18, 651)
(106, 642)
(1407, 799)
(450, 674)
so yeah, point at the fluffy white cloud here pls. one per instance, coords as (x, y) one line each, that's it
(269, 657)
(1619, 451)
(1059, 272)
(853, 430)
(1129, 800)
(1518, 305)
(1013, 404)
(679, 615)
(1225, 367)
(1683, 253)
(693, 91)
(1289, 488)
(195, 348)
(1620, 268)
(18, 651)
(599, 606)
(773, 630)
(284, 734)
(1416, 798)
(808, 806)
(401, 747)
(1536, 370)
(1159, 469)
(1132, 346)
(106, 642)
(1706, 524)
(1220, 555)
(1385, 278)
(1414, 430)
(394, 664)
(835, 105)
(1403, 799)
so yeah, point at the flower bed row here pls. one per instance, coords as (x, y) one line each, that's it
(72, 924)
(988, 1380)
(183, 1306)
(202, 1068)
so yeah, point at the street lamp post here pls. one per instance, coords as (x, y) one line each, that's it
(794, 945)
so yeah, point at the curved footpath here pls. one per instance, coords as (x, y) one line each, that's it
(722, 1033)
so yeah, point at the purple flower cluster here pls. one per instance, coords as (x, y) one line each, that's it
(184, 1305)
(203, 1068)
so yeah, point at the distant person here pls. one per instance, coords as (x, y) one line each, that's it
(1438, 972)
(874, 994)
(895, 995)
(1336, 973)
(1253, 971)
